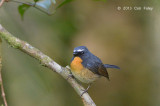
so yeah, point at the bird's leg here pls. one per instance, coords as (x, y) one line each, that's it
(84, 91)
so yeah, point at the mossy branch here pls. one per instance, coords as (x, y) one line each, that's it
(46, 61)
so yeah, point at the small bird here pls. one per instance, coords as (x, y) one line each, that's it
(87, 67)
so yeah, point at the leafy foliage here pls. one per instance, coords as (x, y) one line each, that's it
(36, 1)
(22, 8)
(46, 6)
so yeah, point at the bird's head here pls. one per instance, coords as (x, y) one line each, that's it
(80, 51)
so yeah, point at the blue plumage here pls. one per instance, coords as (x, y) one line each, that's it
(111, 66)
(92, 62)
(86, 67)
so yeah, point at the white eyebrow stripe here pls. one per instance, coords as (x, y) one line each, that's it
(79, 50)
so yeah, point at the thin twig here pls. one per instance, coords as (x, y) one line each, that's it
(46, 61)
(1, 81)
(1, 3)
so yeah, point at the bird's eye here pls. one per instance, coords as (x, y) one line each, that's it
(82, 52)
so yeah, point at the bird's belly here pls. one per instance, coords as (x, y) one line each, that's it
(85, 75)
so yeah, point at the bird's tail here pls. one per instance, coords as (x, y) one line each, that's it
(111, 66)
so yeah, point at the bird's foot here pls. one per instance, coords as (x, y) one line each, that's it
(84, 91)
(68, 67)
(69, 76)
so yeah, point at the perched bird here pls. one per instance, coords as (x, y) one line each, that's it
(87, 67)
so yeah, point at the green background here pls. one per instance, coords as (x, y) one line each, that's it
(129, 39)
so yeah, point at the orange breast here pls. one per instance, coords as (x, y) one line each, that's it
(76, 64)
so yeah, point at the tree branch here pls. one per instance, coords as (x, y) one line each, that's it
(46, 61)
(1, 81)
(2, 1)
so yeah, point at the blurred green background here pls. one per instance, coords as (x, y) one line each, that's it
(129, 39)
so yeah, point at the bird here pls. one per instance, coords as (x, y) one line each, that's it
(86, 67)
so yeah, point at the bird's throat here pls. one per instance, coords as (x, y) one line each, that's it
(76, 64)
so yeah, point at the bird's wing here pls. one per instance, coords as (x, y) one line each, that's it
(111, 66)
(97, 67)
(103, 71)
(92, 66)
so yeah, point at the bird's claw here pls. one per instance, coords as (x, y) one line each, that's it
(68, 67)
(69, 76)
(84, 91)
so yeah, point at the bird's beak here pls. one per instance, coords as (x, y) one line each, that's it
(75, 53)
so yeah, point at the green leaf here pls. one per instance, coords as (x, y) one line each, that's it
(36, 1)
(64, 2)
(47, 5)
(22, 9)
